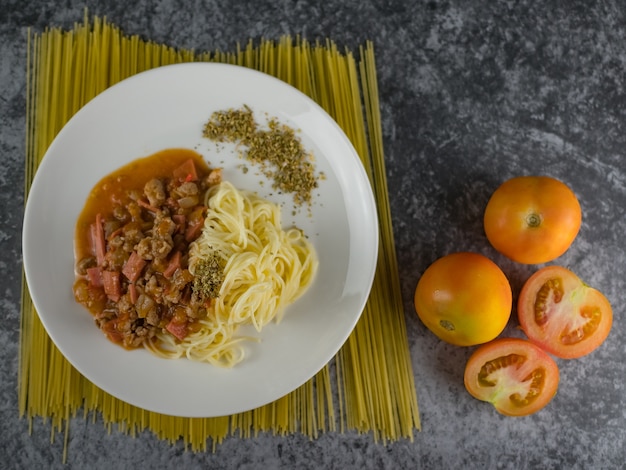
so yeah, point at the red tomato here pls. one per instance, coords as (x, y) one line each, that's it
(562, 314)
(464, 298)
(532, 219)
(515, 376)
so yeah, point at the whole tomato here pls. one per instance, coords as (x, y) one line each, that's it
(464, 298)
(532, 219)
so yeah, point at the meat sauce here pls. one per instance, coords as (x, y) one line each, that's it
(131, 247)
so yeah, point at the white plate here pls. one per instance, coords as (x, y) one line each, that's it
(164, 108)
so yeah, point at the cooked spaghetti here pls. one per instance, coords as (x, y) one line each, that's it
(265, 268)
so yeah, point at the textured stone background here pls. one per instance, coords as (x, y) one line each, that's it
(472, 93)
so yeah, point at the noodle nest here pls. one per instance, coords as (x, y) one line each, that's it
(266, 268)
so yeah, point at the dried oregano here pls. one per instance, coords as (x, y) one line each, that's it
(277, 150)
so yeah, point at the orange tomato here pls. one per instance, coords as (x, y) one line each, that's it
(517, 377)
(532, 219)
(464, 298)
(562, 314)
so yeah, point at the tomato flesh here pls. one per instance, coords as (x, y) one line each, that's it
(517, 377)
(562, 314)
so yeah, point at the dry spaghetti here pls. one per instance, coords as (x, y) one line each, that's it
(369, 386)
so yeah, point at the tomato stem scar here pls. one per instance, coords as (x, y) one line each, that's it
(533, 220)
(447, 325)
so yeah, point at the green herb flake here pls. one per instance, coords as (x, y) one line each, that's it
(277, 151)
(208, 277)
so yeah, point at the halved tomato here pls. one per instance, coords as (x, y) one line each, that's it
(517, 377)
(562, 314)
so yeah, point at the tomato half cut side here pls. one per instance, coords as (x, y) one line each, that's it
(517, 377)
(562, 314)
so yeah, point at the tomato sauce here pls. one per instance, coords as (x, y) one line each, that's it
(131, 247)
(113, 188)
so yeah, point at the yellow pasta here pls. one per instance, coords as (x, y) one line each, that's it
(266, 268)
(369, 385)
